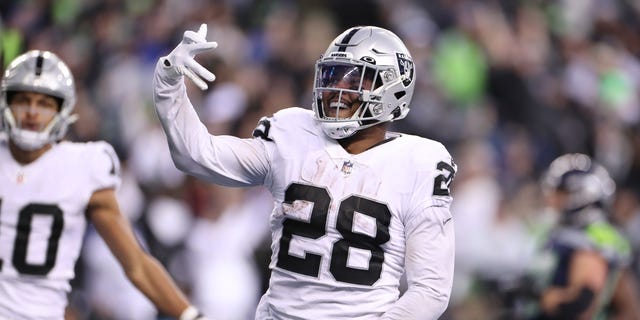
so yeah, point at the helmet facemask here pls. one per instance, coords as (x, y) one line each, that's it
(30, 140)
(339, 87)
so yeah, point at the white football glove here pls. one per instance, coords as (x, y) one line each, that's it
(181, 60)
(191, 313)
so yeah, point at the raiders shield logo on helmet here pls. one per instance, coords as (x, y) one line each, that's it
(405, 64)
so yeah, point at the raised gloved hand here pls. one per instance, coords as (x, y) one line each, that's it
(181, 60)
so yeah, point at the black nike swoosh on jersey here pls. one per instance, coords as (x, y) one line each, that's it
(446, 221)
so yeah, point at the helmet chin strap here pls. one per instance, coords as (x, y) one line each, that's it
(344, 129)
(340, 130)
(32, 140)
(29, 140)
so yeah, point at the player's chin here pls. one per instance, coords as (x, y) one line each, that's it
(32, 127)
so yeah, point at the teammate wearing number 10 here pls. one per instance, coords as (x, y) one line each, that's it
(355, 206)
(49, 189)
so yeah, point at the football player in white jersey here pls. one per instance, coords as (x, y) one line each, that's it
(49, 189)
(355, 206)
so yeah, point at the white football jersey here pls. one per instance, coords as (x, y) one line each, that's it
(43, 221)
(338, 225)
(344, 227)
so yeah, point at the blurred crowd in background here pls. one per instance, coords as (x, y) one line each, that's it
(506, 85)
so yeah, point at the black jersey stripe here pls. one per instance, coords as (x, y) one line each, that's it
(345, 41)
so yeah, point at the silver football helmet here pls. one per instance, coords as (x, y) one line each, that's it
(379, 70)
(584, 181)
(42, 72)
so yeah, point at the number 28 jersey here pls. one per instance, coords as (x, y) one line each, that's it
(42, 223)
(340, 220)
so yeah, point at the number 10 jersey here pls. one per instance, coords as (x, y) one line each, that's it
(43, 221)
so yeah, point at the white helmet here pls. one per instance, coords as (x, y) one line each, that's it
(42, 72)
(360, 52)
(584, 181)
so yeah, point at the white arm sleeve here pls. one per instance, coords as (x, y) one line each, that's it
(429, 266)
(223, 160)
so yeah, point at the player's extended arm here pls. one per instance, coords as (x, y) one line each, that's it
(577, 300)
(223, 160)
(626, 296)
(429, 266)
(144, 271)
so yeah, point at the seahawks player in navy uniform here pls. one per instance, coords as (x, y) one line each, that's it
(591, 255)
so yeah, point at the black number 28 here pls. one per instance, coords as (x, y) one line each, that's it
(316, 228)
(442, 181)
(25, 219)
